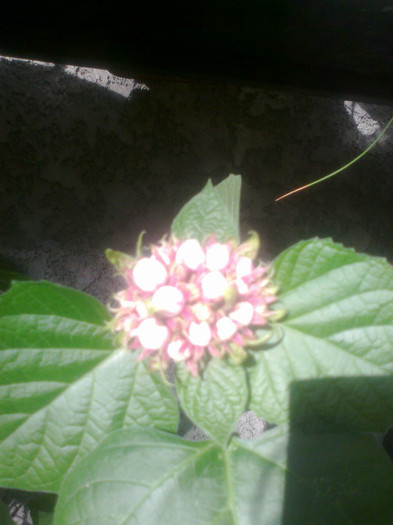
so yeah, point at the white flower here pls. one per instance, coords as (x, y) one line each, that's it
(191, 254)
(200, 333)
(189, 302)
(168, 300)
(151, 334)
(213, 285)
(217, 256)
(148, 273)
(226, 328)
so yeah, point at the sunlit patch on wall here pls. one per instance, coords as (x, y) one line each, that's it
(100, 77)
(365, 124)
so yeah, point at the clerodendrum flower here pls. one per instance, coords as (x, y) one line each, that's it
(187, 301)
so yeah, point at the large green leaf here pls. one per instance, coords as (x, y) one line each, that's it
(52, 299)
(229, 190)
(151, 477)
(339, 324)
(213, 210)
(63, 388)
(215, 401)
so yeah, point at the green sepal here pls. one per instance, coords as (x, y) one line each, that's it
(251, 247)
(120, 260)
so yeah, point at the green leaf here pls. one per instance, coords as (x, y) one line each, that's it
(229, 190)
(151, 477)
(339, 324)
(52, 299)
(5, 518)
(145, 476)
(44, 518)
(215, 401)
(213, 210)
(63, 388)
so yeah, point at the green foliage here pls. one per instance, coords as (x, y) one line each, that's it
(339, 325)
(63, 386)
(151, 477)
(85, 419)
(216, 400)
(213, 210)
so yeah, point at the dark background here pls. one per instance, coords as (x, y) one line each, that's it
(281, 95)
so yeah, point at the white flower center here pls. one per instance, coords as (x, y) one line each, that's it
(168, 300)
(148, 273)
(199, 333)
(190, 254)
(217, 257)
(226, 328)
(214, 285)
(152, 335)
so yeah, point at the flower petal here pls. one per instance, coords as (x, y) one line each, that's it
(226, 328)
(178, 351)
(190, 254)
(168, 300)
(214, 285)
(244, 267)
(243, 313)
(151, 334)
(199, 333)
(149, 273)
(217, 256)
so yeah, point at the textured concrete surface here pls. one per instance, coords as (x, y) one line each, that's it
(84, 167)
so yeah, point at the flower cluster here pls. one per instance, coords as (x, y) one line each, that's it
(187, 301)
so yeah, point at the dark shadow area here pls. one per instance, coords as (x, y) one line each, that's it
(337, 470)
(83, 168)
(336, 47)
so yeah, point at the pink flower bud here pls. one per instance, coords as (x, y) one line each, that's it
(168, 300)
(214, 285)
(217, 256)
(199, 333)
(190, 254)
(243, 313)
(226, 328)
(149, 273)
(151, 334)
